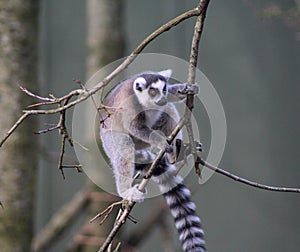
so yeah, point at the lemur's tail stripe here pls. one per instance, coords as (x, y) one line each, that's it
(187, 222)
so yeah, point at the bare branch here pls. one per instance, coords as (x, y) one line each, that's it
(64, 137)
(14, 127)
(61, 155)
(120, 221)
(47, 130)
(107, 212)
(203, 5)
(77, 167)
(248, 182)
(191, 79)
(26, 91)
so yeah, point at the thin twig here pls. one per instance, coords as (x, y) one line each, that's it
(46, 130)
(81, 85)
(14, 127)
(121, 220)
(246, 181)
(77, 167)
(39, 104)
(29, 93)
(107, 211)
(64, 136)
(61, 155)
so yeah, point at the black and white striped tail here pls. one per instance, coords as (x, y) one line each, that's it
(188, 225)
(178, 198)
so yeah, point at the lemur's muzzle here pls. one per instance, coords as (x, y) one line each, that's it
(163, 101)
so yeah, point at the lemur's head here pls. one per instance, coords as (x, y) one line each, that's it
(151, 88)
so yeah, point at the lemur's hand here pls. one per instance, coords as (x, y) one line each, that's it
(133, 194)
(193, 89)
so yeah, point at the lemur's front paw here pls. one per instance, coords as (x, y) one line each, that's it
(133, 194)
(193, 89)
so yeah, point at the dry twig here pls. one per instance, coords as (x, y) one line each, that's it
(107, 212)
(246, 181)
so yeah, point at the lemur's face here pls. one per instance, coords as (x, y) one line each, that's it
(151, 90)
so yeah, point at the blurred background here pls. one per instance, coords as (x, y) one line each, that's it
(250, 51)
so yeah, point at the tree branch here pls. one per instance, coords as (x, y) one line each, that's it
(247, 182)
(191, 79)
(14, 127)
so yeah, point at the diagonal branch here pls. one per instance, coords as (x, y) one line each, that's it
(14, 127)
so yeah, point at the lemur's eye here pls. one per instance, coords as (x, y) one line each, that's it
(153, 92)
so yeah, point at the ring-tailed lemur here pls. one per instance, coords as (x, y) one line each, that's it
(141, 115)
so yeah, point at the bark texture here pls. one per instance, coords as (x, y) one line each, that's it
(18, 156)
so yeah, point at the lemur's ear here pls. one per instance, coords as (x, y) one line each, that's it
(166, 73)
(140, 84)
